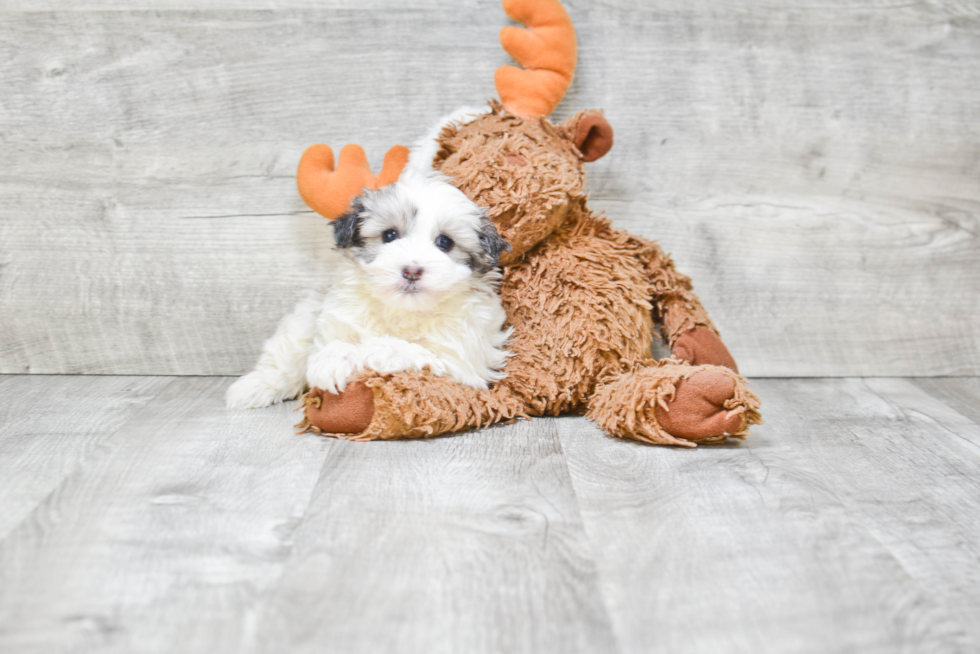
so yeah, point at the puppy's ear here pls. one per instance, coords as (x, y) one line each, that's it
(347, 228)
(491, 245)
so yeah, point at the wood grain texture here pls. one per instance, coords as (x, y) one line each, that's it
(167, 534)
(161, 522)
(846, 523)
(198, 529)
(812, 165)
(944, 8)
(465, 544)
(49, 426)
(960, 393)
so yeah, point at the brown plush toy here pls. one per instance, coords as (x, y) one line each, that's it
(583, 298)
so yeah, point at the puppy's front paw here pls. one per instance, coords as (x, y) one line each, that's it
(251, 392)
(384, 355)
(387, 354)
(331, 368)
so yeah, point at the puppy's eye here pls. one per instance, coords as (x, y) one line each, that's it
(389, 235)
(444, 243)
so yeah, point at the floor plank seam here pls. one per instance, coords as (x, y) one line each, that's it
(272, 590)
(971, 445)
(613, 628)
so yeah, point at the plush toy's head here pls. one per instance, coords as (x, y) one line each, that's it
(527, 172)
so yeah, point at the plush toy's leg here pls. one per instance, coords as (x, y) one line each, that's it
(403, 405)
(673, 403)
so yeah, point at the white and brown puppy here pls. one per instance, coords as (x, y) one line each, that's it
(417, 288)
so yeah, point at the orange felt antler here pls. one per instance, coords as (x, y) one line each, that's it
(329, 192)
(547, 51)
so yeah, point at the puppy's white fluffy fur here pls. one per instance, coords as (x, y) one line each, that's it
(403, 301)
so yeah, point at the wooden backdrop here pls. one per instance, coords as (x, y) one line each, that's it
(814, 165)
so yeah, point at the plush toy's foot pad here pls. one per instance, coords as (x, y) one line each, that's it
(348, 412)
(671, 403)
(697, 412)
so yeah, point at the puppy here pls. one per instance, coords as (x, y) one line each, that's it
(417, 288)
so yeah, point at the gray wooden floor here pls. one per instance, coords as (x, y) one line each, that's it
(139, 515)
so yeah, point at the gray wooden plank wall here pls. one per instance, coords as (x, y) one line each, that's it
(158, 521)
(815, 166)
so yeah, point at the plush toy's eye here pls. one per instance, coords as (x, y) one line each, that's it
(389, 235)
(444, 243)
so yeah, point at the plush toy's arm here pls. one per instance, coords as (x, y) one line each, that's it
(676, 309)
(683, 321)
(408, 404)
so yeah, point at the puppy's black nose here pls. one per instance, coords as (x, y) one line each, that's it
(412, 273)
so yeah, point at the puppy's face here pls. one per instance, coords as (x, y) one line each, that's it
(418, 241)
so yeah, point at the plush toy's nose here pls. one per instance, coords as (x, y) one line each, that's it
(515, 159)
(412, 273)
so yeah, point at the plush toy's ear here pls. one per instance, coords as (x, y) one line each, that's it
(329, 192)
(590, 132)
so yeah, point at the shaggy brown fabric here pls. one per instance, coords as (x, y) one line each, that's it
(526, 198)
(418, 405)
(677, 309)
(571, 330)
(670, 403)
(583, 300)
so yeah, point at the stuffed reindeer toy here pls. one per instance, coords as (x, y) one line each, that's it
(583, 299)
